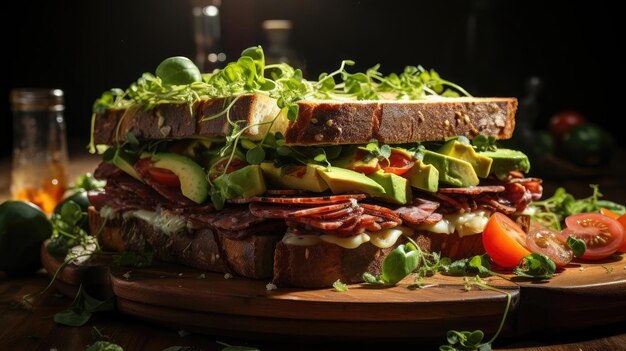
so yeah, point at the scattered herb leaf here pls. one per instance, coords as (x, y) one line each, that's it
(578, 246)
(535, 266)
(339, 286)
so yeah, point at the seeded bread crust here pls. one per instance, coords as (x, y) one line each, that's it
(318, 122)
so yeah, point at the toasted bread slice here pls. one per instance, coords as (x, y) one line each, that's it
(203, 248)
(318, 122)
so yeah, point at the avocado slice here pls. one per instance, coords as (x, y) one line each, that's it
(452, 170)
(341, 180)
(424, 177)
(465, 152)
(193, 180)
(242, 183)
(505, 160)
(125, 160)
(293, 177)
(397, 189)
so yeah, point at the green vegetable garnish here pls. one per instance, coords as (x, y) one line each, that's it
(535, 266)
(178, 70)
(578, 246)
(552, 212)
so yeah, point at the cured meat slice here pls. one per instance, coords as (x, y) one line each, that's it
(474, 190)
(418, 213)
(315, 200)
(433, 218)
(106, 170)
(334, 214)
(381, 211)
(284, 192)
(316, 223)
(278, 211)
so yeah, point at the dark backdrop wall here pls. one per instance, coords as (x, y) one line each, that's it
(490, 47)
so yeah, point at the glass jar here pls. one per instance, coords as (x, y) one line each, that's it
(40, 156)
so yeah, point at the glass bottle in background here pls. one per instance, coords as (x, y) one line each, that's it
(39, 159)
(279, 50)
(208, 35)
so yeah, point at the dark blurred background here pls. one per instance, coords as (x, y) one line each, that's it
(489, 47)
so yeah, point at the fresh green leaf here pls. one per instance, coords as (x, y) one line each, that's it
(72, 317)
(104, 346)
(484, 143)
(535, 266)
(339, 286)
(256, 155)
(578, 246)
(79, 312)
(86, 182)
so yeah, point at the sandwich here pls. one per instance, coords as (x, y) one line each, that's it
(254, 171)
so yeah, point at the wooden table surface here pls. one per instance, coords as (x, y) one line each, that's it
(21, 329)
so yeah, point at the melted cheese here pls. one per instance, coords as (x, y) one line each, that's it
(349, 242)
(387, 237)
(464, 224)
(165, 222)
(382, 239)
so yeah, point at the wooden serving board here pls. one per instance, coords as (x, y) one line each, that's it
(186, 298)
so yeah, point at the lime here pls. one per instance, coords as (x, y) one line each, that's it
(23, 228)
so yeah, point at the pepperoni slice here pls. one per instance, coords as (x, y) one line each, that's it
(243, 200)
(373, 227)
(316, 223)
(474, 190)
(278, 211)
(335, 214)
(433, 218)
(316, 200)
(381, 212)
(284, 192)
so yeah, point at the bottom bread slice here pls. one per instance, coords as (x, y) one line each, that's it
(204, 249)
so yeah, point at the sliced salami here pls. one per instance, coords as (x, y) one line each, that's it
(433, 218)
(315, 200)
(278, 211)
(334, 214)
(474, 190)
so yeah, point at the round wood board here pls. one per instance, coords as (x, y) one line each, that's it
(185, 298)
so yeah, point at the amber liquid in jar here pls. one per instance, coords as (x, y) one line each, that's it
(39, 147)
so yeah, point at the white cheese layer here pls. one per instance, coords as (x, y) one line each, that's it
(382, 239)
(464, 224)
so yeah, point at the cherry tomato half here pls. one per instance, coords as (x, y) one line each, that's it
(549, 243)
(563, 122)
(399, 163)
(218, 168)
(602, 234)
(164, 176)
(621, 219)
(504, 241)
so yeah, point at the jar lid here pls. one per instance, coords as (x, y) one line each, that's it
(37, 99)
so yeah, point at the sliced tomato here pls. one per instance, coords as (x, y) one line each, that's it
(602, 234)
(549, 243)
(218, 168)
(504, 241)
(621, 219)
(399, 163)
(363, 167)
(164, 176)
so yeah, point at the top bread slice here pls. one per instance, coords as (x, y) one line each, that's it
(319, 122)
